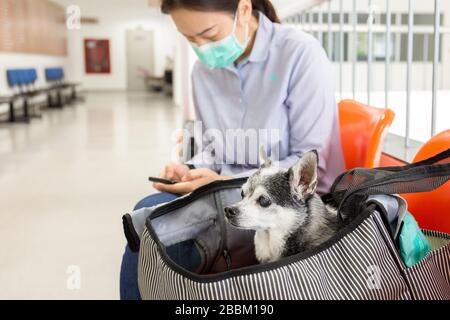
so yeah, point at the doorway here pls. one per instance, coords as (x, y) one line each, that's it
(140, 58)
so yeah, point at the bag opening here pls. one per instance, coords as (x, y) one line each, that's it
(198, 231)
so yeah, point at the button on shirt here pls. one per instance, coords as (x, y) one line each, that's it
(282, 95)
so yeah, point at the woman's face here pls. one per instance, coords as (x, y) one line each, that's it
(201, 27)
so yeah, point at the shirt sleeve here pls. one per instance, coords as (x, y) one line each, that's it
(313, 113)
(203, 159)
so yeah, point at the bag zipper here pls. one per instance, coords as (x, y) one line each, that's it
(200, 192)
(223, 230)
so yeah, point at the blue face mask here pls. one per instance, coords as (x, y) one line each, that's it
(221, 54)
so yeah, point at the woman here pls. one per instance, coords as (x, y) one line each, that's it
(253, 74)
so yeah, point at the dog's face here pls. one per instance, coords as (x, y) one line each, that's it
(274, 197)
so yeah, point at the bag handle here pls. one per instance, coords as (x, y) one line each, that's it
(445, 155)
(423, 176)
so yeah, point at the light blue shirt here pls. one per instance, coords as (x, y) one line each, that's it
(286, 84)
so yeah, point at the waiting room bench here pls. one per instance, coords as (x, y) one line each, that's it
(62, 92)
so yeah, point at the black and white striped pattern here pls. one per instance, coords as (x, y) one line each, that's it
(430, 278)
(346, 270)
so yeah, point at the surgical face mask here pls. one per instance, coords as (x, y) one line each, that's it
(221, 54)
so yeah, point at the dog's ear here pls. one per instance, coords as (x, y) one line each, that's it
(263, 159)
(303, 175)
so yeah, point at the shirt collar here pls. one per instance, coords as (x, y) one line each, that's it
(264, 34)
(260, 50)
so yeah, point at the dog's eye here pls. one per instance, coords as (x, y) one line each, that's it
(242, 194)
(264, 201)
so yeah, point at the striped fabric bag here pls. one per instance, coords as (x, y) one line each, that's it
(361, 261)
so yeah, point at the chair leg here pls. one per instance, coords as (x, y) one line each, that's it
(49, 100)
(54, 103)
(26, 111)
(12, 113)
(59, 100)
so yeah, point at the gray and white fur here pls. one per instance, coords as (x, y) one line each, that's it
(281, 205)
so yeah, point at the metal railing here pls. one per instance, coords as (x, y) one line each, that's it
(370, 28)
(437, 24)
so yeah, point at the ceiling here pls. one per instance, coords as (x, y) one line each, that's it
(141, 9)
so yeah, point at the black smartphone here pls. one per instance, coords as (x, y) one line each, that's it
(161, 180)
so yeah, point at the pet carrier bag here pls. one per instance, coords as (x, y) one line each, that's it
(362, 261)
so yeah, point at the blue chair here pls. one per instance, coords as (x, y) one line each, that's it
(16, 80)
(53, 77)
(12, 76)
(22, 82)
(31, 76)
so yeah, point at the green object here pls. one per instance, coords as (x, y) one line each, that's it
(222, 53)
(414, 246)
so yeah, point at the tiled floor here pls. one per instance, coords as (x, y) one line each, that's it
(65, 182)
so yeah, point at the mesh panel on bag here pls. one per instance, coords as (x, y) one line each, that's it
(352, 187)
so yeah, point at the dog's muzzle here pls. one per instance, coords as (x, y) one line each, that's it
(231, 212)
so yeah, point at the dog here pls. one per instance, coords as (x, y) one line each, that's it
(282, 206)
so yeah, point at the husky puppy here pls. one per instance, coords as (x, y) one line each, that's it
(282, 207)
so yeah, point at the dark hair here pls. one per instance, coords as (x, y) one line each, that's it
(265, 6)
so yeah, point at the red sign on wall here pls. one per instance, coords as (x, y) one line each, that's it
(97, 56)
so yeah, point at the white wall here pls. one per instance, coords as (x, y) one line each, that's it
(115, 17)
(421, 79)
(116, 33)
(185, 59)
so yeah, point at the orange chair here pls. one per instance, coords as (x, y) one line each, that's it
(363, 129)
(432, 209)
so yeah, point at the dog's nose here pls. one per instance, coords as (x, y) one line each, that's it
(231, 212)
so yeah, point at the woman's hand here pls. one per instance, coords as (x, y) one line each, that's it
(192, 180)
(174, 171)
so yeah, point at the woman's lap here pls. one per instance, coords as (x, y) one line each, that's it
(155, 199)
(128, 272)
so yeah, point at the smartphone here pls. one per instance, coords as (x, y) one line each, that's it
(161, 180)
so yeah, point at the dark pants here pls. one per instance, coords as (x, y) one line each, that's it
(184, 254)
